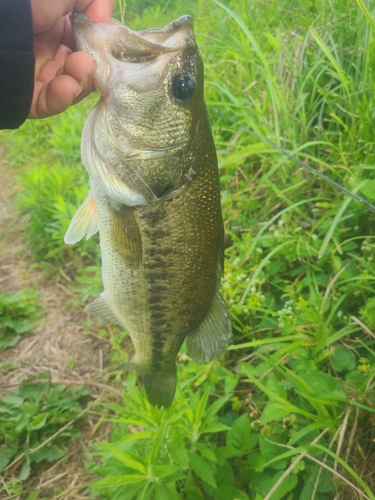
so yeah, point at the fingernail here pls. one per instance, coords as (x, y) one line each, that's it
(79, 91)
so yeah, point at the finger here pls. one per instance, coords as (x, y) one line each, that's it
(46, 45)
(81, 66)
(62, 54)
(99, 11)
(49, 71)
(55, 66)
(46, 13)
(54, 97)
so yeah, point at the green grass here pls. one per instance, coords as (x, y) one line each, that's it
(30, 417)
(19, 313)
(294, 405)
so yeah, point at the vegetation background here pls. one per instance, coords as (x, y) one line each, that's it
(288, 414)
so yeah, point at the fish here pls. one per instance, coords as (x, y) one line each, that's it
(154, 197)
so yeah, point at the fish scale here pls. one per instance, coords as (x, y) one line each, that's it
(154, 198)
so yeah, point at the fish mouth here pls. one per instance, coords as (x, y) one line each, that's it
(173, 37)
(128, 55)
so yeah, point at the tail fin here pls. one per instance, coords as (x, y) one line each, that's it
(160, 387)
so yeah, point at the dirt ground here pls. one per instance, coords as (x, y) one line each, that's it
(60, 345)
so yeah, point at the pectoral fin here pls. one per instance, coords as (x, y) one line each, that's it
(213, 335)
(84, 222)
(125, 236)
(100, 307)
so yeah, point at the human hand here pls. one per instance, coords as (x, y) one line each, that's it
(62, 77)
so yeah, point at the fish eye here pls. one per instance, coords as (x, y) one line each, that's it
(183, 86)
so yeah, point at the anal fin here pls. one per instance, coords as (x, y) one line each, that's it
(84, 222)
(100, 307)
(213, 336)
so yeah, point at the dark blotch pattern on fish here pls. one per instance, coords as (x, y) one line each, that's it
(157, 274)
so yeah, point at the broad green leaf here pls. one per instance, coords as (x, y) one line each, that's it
(38, 422)
(283, 457)
(12, 399)
(304, 431)
(158, 441)
(230, 494)
(192, 495)
(120, 480)
(129, 460)
(288, 484)
(202, 468)
(178, 453)
(146, 492)
(309, 486)
(25, 469)
(239, 439)
(327, 483)
(165, 492)
(224, 473)
(162, 471)
(244, 368)
(342, 359)
(9, 342)
(273, 412)
(274, 385)
(323, 385)
(23, 423)
(269, 451)
(214, 408)
(256, 461)
(176, 476)
(355, 378)
(200, 407)
(214, 427)
(127, 492)
(193, 488)
(230, 383)
(4, 461)
(206, 451)
(34, 495)
(128, 441)
(50, 452)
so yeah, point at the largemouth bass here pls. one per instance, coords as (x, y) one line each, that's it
(155, 200)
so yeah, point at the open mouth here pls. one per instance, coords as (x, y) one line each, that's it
(132, 46)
